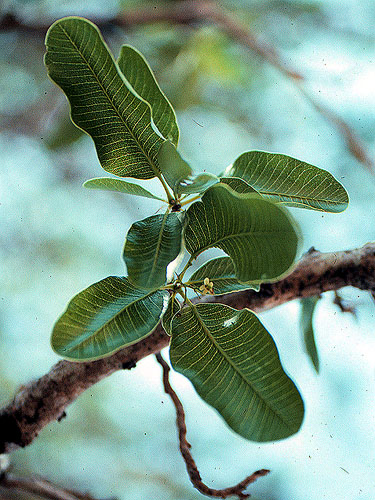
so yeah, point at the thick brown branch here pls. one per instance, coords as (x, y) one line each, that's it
(195, 477)
(46, 399)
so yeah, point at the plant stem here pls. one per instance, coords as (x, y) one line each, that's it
(166, 189)
(187, 265)
(197, 197)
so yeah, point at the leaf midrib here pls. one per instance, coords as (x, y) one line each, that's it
(158, 246)
(295, 197)
(227, 358)
(98, 331)
(151, 163)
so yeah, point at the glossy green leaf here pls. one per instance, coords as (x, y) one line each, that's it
(234, 366)
(151, 244)
(110, 184)
(140, 76)
(197, 183)
(172, 309)
(238, 185)
(102, 103)
(308, 305)
(221, 272)
(258, 235)
(174, 168)
(290, 181)
(105, 317)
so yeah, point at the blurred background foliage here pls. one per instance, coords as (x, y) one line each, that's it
(119, 439)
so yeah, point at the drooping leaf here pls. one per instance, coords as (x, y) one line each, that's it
(234, 366)
(173, 167)
(197, 183)
(151, 244)
(238, 185)
(221, 272)
(140, 76)
(291, 181)
(308, 305)
(110, 184)
(258, 235)
(102, 103)
(172, 309)
(106, 316)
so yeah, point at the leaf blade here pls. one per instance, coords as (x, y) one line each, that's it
(290, 181)
(105, 317)
(259, 236)
(221, 272)
(120, 186)
(137, 71)
(308, 305)
(173, 167)
(233, 364)
(151, 244)
(102, 102)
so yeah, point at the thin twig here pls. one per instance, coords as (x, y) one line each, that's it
(185, 446)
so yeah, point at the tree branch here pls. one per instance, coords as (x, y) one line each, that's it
(45, 400)
(194, 475)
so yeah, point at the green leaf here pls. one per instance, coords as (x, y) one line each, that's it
(140, 76)
(172, 166)
(290, 181)
(109, 184)
(197, 183)
(238, 185)
(234, 366)
(105, 317)
(221, 272)
(151, 244)
(173, 308)
(103, 104)
(258, 235)
(308, 305)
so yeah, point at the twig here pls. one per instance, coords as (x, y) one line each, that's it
(41, 487)
(45, 400)
(185, 446)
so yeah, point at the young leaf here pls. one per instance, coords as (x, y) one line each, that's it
(234, 366)
(172, 309)
(109, 184)
(290, 181)
(105, 317)
(172, 166)
(221, 272)
(308, 305)
(197, 183)
(136, 70)
(259, 236)
(102, 103)
(151, 244)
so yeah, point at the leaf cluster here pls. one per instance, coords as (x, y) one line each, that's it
(228, 355)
